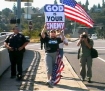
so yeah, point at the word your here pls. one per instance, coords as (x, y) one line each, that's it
(54, 18)
(54, 8)
(59, 25)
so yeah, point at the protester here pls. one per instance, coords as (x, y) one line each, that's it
(61, 45)
(42, 43)
(85, 56)
(15, 43)
(51, 47)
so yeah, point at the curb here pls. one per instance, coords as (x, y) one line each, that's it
(81, 84)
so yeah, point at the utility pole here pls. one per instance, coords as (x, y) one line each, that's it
(19, 12)
(15, 10)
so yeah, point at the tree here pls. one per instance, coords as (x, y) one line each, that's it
(99, 6)
(6, 12)
(87, 4)
(103, 4)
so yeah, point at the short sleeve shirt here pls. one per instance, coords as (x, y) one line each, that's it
(16, 40)
(52, 44)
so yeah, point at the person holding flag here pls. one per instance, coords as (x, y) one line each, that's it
(61, 45)
(51, 48)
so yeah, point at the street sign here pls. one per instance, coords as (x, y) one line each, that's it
(28, 10)
(21, 0)
(54, 16)
(27, 4)
(27, 16)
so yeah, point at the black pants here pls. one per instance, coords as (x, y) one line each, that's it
(42, 43)
(16, 58)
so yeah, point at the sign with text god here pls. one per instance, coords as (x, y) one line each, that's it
(54, 16)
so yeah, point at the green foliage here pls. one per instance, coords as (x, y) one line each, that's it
(32, 34)
(26, 32)
(67, 35)
(35, 34)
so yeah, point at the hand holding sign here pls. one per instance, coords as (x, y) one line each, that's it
(44, 25)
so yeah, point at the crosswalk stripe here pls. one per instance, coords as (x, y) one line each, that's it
(101, 59)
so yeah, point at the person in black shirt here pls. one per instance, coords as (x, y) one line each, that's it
(15, 43)
(42, 40)
(51, 48)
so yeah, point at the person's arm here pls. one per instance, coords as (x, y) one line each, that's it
(6, 44)
(79, 42)
(65, 41)
(25, 42)
(43, 32)
(8, 47)
(23, 46)
(62, 36)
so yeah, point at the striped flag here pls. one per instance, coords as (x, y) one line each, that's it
(58, 67)
(75, 12)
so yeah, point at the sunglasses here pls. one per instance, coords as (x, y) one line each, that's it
(52, 32)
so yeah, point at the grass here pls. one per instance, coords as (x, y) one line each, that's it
(37, 40)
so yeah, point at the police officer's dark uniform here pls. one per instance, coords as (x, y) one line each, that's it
(15, 41)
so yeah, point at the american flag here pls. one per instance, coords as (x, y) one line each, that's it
(75, 12)
(58, 67)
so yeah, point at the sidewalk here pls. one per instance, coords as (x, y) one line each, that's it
(34, 76)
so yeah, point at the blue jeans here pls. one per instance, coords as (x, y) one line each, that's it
(61, 52)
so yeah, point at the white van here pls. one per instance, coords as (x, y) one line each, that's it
(94, 37)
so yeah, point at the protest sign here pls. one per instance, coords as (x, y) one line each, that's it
(54, 16)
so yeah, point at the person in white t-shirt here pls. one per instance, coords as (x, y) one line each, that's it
(61, 45)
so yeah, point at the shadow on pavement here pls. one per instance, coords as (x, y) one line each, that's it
(96, 86)
(30, 71)
(69, 88)
(59, 86)
(68, 78)
(71, 52)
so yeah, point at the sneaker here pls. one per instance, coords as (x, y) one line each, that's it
(83, 79)
(50, 84)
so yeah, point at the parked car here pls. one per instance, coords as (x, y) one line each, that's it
(94, 37)
(27, 37)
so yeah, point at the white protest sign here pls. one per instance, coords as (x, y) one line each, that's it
(54, 16)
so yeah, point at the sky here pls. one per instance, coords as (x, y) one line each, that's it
(41, 3)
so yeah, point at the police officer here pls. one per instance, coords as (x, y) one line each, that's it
(15, 43)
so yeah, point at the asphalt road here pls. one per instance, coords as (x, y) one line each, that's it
(98, 79)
